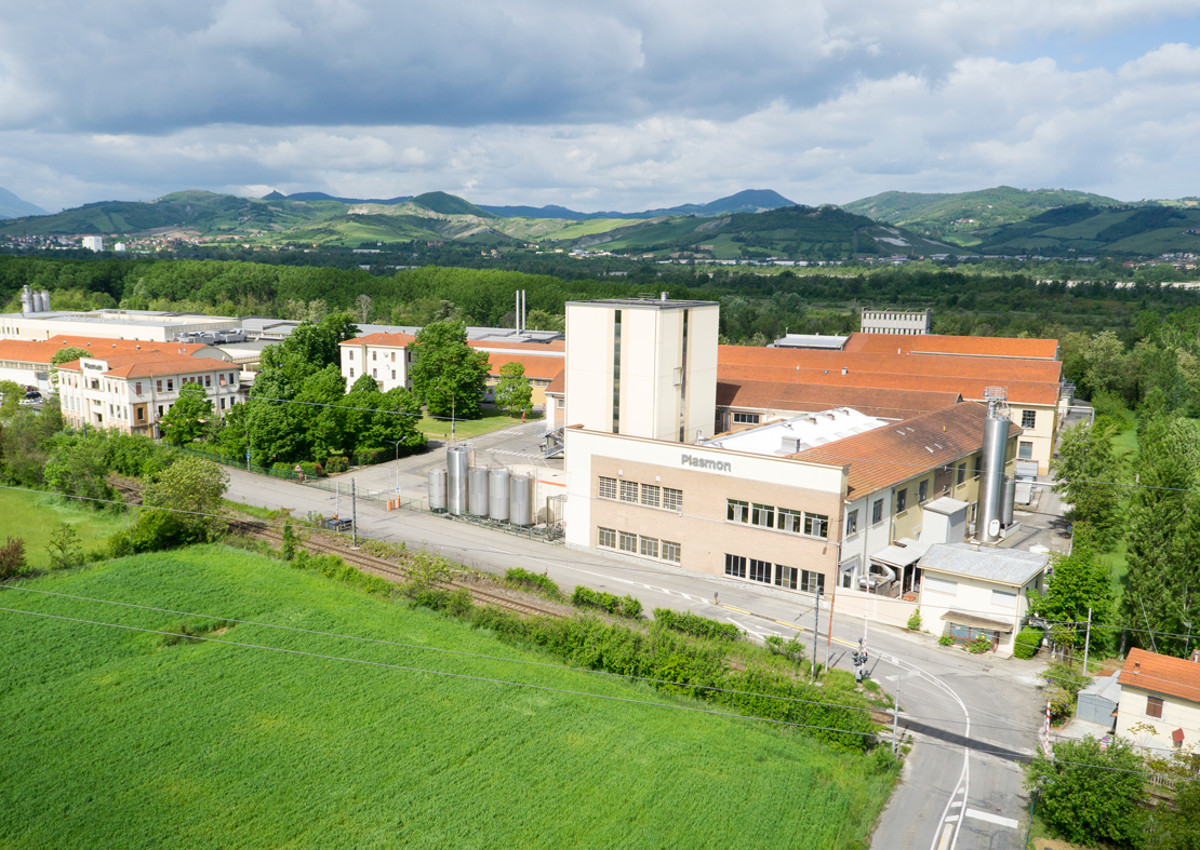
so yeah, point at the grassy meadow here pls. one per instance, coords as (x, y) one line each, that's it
(34, 516)
(121, 738)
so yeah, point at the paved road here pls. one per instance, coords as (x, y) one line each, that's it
(969, 716)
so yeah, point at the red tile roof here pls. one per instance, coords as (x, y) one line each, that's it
(543, 368)
(792, 397)
(149, 364)
(397, 340)
(559, 383)
(42, 351)
(898, 451)
(1162, 674)
(969, 346)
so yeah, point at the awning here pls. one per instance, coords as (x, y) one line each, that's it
(901, 555)
(961, 619)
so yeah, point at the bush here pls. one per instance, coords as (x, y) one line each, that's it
(1028, 641)
(695, 625)
(622, 606)
(63, 549)
(289, 543)
(914, 622)
(536, 582)
(945, 640)
(335, 464)
(12, 557)
(979, 645)
(312, 469)
(370, 457)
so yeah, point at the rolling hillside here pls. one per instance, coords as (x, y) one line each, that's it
(1088, 229)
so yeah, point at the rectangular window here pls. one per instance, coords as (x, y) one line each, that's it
(627, 541)
(393, 374)
(785, 576)
(351, 371)
(1028, 418)
(760, 571)
(374, 355)
(560, 403)
(816, 525)
(208, 380)
(231, 379)
(922, 491)
(978, 465)
(745, 418)
(939, 585)
(852, 522)
(735, 565)
(393, 357)
(158, 385)
(962, 473)
(812, 582)
(607, 537)
(1154, 707)
(670, 551)
(1004, 599)
(877, 512)
(649, 546)
(1025, 450)
(902, 500)
(608, 488)
(672, 499)
(737, 511)
(762, 515)
(629, 491)
(790, 520)
(651, 495)
(170, 384)
(141, 414)
(137, 387)
(374, 373)
(222, 404)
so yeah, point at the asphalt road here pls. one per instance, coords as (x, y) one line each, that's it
(969, 717)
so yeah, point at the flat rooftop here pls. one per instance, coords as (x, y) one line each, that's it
(644, 303)
(788, 436)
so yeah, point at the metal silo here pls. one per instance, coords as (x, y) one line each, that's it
(458, 467)
(437, 489)
(991, 483)
(520, 500)
(1010, 500)
(498, 487)
(477, 493)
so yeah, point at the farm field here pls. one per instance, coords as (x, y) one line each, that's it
(116, 737)
(34, 516)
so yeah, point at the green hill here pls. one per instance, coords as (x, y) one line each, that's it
(1146, 230)
(446, 204)
(410, 734)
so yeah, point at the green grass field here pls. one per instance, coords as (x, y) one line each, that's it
(492, 420)
(118, 738)
(34, 516)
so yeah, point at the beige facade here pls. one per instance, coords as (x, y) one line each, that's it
(1160, 701)
(384, 357)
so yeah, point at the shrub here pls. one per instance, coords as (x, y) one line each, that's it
(1028, 641)
(335, 464)
(979, 644)
(914, 622)
(64, 549)
(945, 640)
(370, 457)
(536, 582)
(697, 626)
(622, 606)
(312, 469)
(12, 557)
(289, 543)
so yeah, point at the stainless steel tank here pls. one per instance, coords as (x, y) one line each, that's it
(991, 482)
(477, 492)
(437, 489)
(1010, 500)
(458, 467)
(520, 500)
(498, 501)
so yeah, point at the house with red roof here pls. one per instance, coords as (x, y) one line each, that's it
(1160, 701)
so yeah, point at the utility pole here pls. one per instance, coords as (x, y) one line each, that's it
(353, 514)
(816, 631)
(896, 711)
(1087, 640)
(829, 635)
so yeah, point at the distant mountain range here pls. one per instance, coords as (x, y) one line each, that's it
(754, 224)
(13, 207)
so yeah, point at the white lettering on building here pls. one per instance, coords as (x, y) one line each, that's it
(705, 463)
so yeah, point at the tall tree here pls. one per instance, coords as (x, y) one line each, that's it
(514, 395)
(189, 417)
(1079, 582)
(1086, 472)
(448, 376)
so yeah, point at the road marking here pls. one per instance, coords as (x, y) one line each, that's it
(990, 818)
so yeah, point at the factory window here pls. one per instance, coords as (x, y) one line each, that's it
(790, 520)
(1154, 707)
(670, 551)
(877, 512)
(922, 491)
(852, 522)
(816, 525)
(1028, 418)
(902, 500)
(785, 576)
(607, 537)
(672, 499)
(629, 491)
(735, 565)
(745, 418)
(737, 511)
(627, 541)
(649, 547)
(962, 473)
(1025, 450)
(812, 582)
(762, 515)
(651, 495)
(760, 571)
(608, 488)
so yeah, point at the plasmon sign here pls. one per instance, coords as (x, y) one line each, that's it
(694, 462)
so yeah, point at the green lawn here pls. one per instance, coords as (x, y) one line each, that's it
(116, 738)
(33, 516)
(492, 421)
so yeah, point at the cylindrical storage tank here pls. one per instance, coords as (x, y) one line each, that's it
(437, 489)
(477, 492)
(498, 501)
(991, 483)
(458, 467)
(1010, 501)
(520, 500)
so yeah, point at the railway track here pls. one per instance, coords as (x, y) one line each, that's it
(385, 569)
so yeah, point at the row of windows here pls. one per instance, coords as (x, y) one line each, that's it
(635, 493)
(754, 569)
(745, 418)
(635, 544)
(374, 355)
(784, 519)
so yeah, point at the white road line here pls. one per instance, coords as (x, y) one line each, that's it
(991, 818)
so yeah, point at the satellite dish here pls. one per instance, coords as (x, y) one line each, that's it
(994, 528)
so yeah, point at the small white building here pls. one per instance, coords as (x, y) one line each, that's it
(1160, 701)
(968, 590)
(909, 322)
(93, 243)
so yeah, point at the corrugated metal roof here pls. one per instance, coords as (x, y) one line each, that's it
(1004, 566)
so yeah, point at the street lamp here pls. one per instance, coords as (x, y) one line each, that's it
(398, 442)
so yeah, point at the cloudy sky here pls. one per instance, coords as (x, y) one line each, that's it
(618, 104)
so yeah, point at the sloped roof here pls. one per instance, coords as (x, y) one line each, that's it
(901, 450)
(543, 368)
(558, 384)
(1162, 674)
(971, 346)
(1004, 566)
(812, 398)
(42, 351)
(149, 364)
(396, 340)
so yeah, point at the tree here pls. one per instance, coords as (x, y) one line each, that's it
(188, 417)
(1078, 583)
(66, 355)
(1086, 472)
(363, 303)
(1090, 794)
(64, 549)
(1178, 828)
(448, 376)
(513, 393)
(192, 488)
(78, 467)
